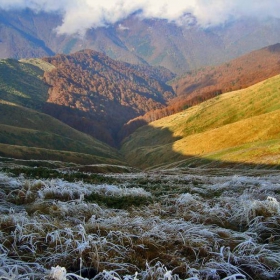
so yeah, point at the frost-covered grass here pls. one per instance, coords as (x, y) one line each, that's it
(174, 224)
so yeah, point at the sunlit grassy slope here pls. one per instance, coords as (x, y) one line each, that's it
(22, 83)
(241, 126)
(41, 64)
(25, 133)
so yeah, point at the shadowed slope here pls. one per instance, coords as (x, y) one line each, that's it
(30, 131)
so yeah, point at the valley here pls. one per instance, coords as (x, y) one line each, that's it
(224, 128)
(143, 149)
(87, 108)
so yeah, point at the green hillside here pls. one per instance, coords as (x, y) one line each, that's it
(22, 83)
(31, 154)
(239, 127)
(28, 128)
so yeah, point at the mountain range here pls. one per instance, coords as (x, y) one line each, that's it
(97, 95)
(139, 147)
(157, 42)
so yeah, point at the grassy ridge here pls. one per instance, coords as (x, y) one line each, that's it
(21, 117)
(41, 64)
(242, 120)
(34, 153)
(41, 139)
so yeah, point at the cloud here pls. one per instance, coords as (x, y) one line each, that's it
(80, 15)
(122, 27)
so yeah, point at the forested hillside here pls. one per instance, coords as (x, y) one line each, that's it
(97, 95)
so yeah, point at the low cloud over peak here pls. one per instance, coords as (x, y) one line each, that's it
(80, 15)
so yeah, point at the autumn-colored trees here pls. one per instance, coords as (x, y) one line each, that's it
(103, 94)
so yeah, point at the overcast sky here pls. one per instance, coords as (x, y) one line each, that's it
(79, 15)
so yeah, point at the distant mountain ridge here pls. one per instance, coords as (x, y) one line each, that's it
(26, 34)
(238, 73)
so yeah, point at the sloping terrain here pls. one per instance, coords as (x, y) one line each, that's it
(240, 126)
(239, 73)
(25, 133)
(22, 83)
(26, 34)
(89, 91)
(97, 95)
(200, 85)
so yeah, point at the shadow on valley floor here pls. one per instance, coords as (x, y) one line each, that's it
(146, 147)
(151, 148)
(104, 126)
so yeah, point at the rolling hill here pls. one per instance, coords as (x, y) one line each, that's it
(26, 132)
(22, 83)
(86, 90)
(57, 107)
(197, 86)
(239, 127)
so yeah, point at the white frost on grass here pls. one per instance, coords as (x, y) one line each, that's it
(61, 189)
(220, 225)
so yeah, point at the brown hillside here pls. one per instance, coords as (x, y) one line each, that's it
(239, 73)
(97, 95)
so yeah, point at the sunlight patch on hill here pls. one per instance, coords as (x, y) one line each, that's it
(245, 120)
(43, 65)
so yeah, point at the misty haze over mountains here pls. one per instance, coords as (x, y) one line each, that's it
(175, 39)
(78, 16)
